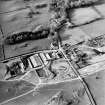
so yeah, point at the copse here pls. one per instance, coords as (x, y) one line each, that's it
(80, 3)
(27, 35)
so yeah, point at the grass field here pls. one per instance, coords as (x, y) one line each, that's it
(16, 17)
(46, 92)
(11, 89)
(96, 83)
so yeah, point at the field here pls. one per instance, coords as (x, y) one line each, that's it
(96, 83)
(13, 89)
(15, 17)
(46, 92)
(26, 15)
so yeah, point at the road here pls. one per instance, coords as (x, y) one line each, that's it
(79, 77)
(92, 100)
